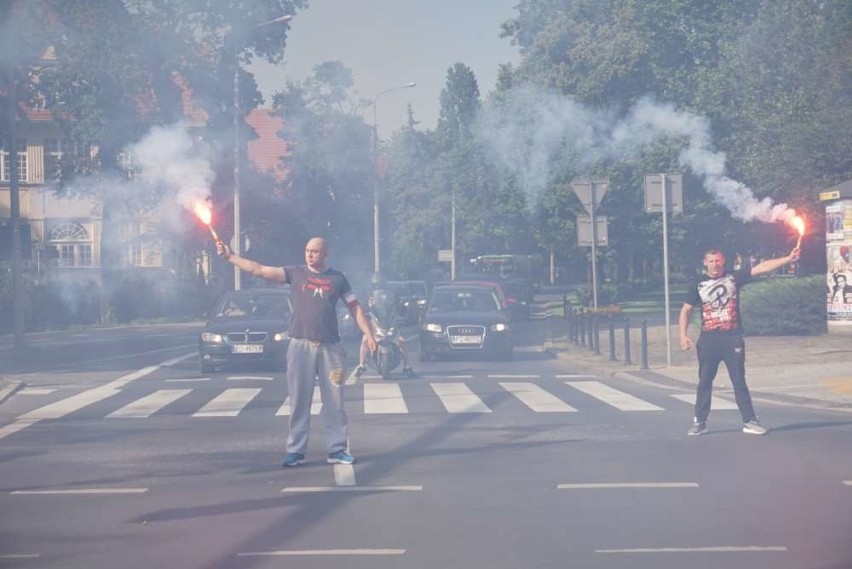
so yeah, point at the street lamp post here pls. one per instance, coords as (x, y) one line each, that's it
(15, 213)
(237, 241)
(377, 263)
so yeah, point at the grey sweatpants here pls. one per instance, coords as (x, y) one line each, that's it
(309, 363)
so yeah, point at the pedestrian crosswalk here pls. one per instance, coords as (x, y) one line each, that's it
(375, 398)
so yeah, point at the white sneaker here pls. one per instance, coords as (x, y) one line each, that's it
(754, 428)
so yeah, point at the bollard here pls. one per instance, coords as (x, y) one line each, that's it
(597, 336)
(627, 342)
(582, 330)
(572, 336)
(611, 339)
(644, 344)
(590, 328)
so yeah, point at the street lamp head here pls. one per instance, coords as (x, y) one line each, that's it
(278, 20)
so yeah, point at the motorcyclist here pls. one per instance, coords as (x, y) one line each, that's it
(382, 310)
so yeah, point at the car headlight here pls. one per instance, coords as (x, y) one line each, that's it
(211, 338)
(280, 336)
(499, 327)
(436, 328)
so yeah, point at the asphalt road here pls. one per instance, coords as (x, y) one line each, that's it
(127, 457)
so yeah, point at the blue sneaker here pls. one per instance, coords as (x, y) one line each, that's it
(340, 457)
(293, 459)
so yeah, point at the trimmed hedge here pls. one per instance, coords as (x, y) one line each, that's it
(784, 306)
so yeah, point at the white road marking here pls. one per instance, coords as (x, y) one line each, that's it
(515, 376)
(848, 482)
(20, 556)
(250, 377)
(16, 426)
(614, 397)
(716, 403)
(68, 405)
(575, 376)
(125, 379)
(188, 380)
(719, 549)
(537, 398)
(458, 398)
(36, 391)
(309, 489)
(82, 491)
(148, 405)
(229, 403)
(344, 475)
(296, 552)
(609, 485)
(382, 398)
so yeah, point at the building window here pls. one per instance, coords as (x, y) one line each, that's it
(73, 245)
(128, 164)
(21, 145)
(53, 150)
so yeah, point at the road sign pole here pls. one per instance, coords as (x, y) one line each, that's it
(594, 247)
(666, 273)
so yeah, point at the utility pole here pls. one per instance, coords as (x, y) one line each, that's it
(15, 206)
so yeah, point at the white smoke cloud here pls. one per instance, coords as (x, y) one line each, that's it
(531, 133)
(168, 157)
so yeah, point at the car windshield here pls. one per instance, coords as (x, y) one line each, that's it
(254, 306)
(416, 289)
(470, 301)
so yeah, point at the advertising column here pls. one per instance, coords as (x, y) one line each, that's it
(838, 244)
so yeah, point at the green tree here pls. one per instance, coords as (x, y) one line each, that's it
(330, 163)
(418, 214)
(112, 75)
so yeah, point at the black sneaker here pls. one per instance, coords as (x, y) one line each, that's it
(359, 371)
(409, 372)
(697, 428)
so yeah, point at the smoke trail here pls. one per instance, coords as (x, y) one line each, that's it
(168, 157)
(662, 120)
(531, 133)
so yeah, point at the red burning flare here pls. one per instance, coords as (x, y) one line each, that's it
(799, 224)
(205, 214)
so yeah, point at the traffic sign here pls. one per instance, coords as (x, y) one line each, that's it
(654, 193)
(584, 231)
(585, 189)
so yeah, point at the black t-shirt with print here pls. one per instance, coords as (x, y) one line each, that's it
(315, 297)
(718, 301)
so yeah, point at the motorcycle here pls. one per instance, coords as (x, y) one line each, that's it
(388, 356)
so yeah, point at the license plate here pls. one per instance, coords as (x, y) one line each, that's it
(466, 339)
(247, 349)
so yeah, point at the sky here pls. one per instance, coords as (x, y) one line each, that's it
(388, 43)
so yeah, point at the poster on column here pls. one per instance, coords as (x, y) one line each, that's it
(834, 221)
(839, 280)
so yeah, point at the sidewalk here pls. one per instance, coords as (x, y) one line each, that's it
(811, 371)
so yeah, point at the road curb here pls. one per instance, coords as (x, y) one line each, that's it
(8, 387)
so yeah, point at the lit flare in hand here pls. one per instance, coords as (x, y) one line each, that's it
(799, 224)
(205, 214)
